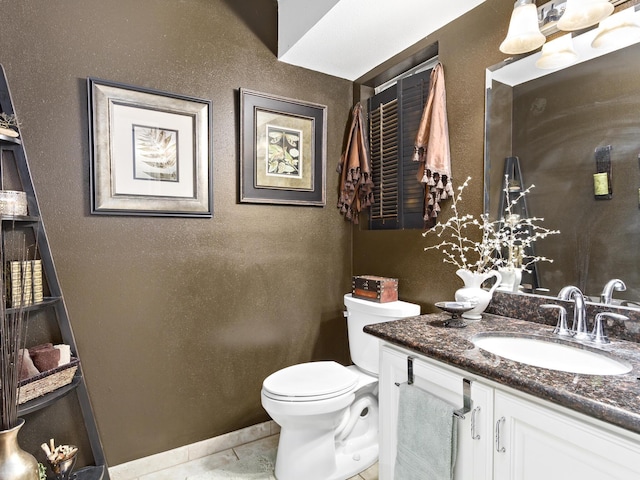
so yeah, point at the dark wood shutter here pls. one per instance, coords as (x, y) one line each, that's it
(383, 136)
(394, 117)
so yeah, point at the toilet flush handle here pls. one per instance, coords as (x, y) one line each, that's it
(345, 314)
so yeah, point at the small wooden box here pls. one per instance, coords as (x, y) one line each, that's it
(376, 289)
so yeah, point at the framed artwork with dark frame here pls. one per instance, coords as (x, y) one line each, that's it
(150, 152)
(282, 150)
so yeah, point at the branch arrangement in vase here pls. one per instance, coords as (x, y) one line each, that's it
(503, 243)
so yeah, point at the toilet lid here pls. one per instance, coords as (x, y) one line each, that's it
(310, 381)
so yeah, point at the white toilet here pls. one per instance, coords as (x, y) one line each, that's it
(328, 413)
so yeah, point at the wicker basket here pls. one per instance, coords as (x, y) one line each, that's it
(47, 382)
(13, 203)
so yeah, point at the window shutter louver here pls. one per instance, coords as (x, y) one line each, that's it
(383, 131)
(394, 117)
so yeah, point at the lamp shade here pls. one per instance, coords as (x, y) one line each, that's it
(557, 53)
(524, 33)
(618, 30)
(580, 14)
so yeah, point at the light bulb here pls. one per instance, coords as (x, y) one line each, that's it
(557, 53)
(619, 29)
(524, 33)
(581, 14)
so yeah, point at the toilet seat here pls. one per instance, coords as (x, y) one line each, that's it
(308, 382)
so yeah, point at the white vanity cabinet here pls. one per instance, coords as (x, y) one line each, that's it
(475, 431)
(514, 436)
(535, 441)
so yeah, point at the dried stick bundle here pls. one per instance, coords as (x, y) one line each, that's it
(13, 329)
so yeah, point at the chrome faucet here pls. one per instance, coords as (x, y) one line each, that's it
(607, 292)
(579, 327)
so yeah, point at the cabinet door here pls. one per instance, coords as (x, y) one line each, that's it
(536, 442)
(474, 456)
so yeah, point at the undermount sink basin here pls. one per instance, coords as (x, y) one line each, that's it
(551, 353)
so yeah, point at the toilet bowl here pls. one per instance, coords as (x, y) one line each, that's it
(328, 413)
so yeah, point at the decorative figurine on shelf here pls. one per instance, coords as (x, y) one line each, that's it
(61, 459)
(8, 125)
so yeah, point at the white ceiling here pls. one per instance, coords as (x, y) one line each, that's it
(348, 38)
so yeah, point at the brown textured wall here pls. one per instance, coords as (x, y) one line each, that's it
(467, 47)
(177, 320)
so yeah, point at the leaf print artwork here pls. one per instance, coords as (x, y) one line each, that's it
(283, 154)
(155, 154)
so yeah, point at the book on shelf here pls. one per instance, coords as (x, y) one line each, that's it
(23, 280)
(36, 266)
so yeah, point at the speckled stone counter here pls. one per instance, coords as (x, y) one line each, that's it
(611, 398)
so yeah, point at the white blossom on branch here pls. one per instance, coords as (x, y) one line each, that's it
(504, 243)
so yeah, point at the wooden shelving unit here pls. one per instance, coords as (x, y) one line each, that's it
(14, 170)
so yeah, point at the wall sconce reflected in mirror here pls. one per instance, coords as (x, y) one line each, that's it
(524, 33)
(557, 53)
(618, 30)
(581, 14)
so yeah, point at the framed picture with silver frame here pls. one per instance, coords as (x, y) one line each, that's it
(282, 150)
(151, 152)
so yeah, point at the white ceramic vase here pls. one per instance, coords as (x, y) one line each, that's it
(511, 278)
(474, 293)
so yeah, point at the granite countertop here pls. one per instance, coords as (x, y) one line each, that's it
(612, 398)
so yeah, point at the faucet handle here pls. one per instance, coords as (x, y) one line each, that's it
(561, 328)
(598, 335)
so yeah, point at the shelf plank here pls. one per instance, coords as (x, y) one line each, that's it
(19, 218)
(36, 306)
(8, 139)
(90, 473)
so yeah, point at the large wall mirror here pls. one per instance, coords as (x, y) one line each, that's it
(555, 122)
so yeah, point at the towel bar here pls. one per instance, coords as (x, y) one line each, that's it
(466, 390)
(409, 372)
(466, 399)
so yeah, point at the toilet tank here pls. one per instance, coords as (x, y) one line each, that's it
(365, 348)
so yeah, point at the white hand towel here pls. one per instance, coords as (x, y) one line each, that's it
(65, 354)
(427, 436)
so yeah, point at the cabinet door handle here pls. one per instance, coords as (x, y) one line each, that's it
(498, 448)
(474, 435)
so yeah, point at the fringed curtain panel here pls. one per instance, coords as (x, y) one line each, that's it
(432, 148)
(356, 185)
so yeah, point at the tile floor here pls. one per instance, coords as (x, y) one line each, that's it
(201, 465)
(186, 462)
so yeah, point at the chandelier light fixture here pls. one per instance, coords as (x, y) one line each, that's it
(530, 25)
